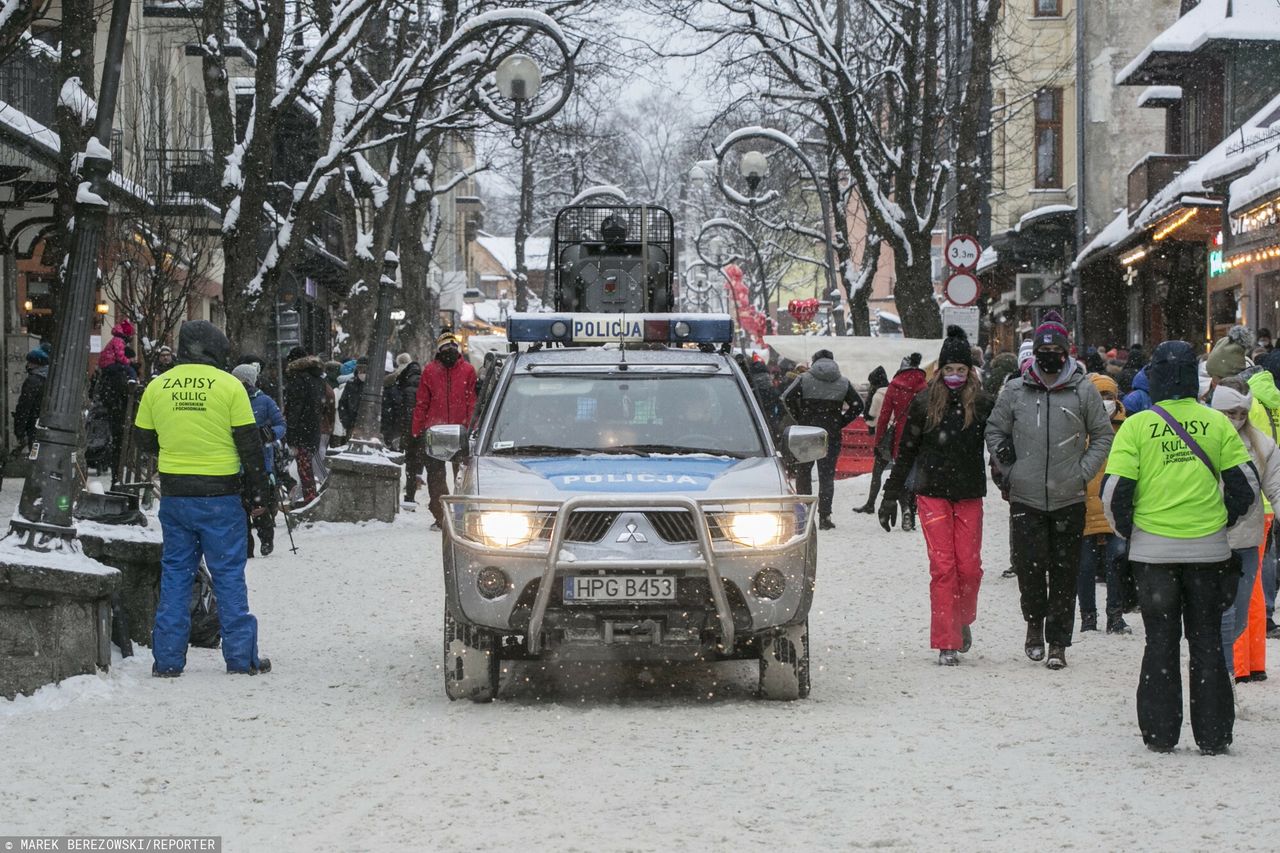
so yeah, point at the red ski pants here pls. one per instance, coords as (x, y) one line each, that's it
(953, 536)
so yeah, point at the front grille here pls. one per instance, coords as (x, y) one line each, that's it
(589, 525)
(673, 526)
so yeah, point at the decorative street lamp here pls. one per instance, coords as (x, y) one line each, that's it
(44, 514)
(518, 79)
(734, 227)
(754, 168)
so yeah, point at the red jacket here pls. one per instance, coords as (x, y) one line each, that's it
(446, 395)
(905, 386)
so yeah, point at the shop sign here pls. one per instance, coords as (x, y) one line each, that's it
(1258, 225)
(1216, 266)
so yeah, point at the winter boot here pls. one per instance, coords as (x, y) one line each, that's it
(825, 523)
(1035, 639)
(1057, 658)
(948, 657)
(966, 639)
(868, 508)
(1117, 625)
(1010, 572)
(1273, 630)
(908, 518)
(1089, 621)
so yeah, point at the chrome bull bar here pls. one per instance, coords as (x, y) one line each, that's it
(629, 502)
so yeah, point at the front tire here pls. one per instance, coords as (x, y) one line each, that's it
(784, 664)
(471, 664)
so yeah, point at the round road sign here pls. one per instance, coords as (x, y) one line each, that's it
(963, 252)
(961, 289)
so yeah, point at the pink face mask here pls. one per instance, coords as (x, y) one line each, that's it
(954, 381)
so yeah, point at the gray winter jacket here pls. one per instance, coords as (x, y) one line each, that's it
(822, 397)
(1049, 443)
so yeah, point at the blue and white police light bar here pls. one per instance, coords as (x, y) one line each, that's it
(626, 328)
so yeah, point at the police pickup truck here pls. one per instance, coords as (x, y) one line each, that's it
(624, 502)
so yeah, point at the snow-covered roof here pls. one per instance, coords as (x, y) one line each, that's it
(1116, 230)
(1248, 20)
(1159, 96)
(1041, 212)
(1192, 186)
(988, 259)
(503, 250)
(1257, 185)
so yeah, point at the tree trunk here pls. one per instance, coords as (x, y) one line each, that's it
(913, 291)
(973, 124)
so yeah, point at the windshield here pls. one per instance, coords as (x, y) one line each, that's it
(624, 413)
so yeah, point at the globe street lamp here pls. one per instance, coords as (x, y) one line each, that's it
(518, 79)
(754, 168)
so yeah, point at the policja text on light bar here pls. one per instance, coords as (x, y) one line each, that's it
(625, 328)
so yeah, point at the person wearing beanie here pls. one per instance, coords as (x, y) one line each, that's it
(877, 388)
(1230, 355)
(446, 395)
(199, 423)
(27, 413)
(349, 405)
(823, 398)
(1244, 628)
(1136, 361)
(1265, 415)
(307, 398)
(1178, 477)
(891, 420)
(396, 415)
(1100, 548)
(1049, 433)
(940, 463)
(162, 362)
(272, 428)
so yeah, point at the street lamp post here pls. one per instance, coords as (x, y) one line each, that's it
(754, 168)
(736, 228)
(518, 78)
(44, 514)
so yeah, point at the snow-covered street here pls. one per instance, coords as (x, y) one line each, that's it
(351, 744)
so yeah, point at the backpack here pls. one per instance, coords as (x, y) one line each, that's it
(206, 631)
(97, 437)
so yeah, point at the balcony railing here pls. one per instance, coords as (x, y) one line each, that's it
(181, 176)
(30, 84)
(1152, 174)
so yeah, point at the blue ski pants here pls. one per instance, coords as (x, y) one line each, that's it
(214, 528)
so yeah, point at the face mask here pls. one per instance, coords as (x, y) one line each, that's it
(1110, 406)
(1238, 422)
(449, 357)
(1051, 362)
(954, 381)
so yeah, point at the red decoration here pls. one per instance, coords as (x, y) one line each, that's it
(803, 310)
(750, 320)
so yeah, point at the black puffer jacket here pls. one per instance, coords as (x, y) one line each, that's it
(948, 457)
(304, 402)
(824, 398)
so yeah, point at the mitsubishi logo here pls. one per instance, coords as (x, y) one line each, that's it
(631, 534)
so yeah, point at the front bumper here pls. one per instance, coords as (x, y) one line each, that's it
(715, 598)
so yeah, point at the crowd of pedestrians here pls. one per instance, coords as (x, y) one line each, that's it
(1152, 472)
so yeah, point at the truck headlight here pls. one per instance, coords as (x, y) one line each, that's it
(756, 529)
(504, 529)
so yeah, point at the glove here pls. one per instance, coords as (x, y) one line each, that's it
(888, 514)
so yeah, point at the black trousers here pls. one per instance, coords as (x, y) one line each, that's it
(1194, 596)
(1045, 552)
(438, 485)
(826, 476)
(415, 459)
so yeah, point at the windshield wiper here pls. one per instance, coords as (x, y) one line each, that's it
(537, 450)
(646, 449)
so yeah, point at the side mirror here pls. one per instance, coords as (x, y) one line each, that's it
(806, 443)
(444, 441)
